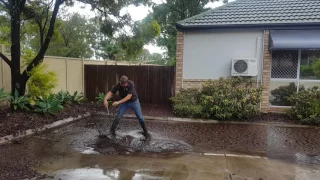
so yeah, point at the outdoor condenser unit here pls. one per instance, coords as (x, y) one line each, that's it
(244, 67)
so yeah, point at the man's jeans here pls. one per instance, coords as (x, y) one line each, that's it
(135, 106)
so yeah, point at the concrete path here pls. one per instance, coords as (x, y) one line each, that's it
(187, 166)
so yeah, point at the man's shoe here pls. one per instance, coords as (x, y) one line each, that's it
(114, 127)
(145, 131)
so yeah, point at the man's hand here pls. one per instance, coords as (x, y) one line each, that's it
(115, 103)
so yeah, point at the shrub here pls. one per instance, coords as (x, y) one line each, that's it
(282, 93)
(187, 103)
(316, 68)
(307, 106)
(19, 102)
(100, 98)
(63, 97)
(222, 99)
(77, 98)
(4, 95)
(306, 70)
(48, 105)
(41, 81)
(230, 98)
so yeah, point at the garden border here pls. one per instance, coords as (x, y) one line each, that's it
(9, 138)
(210, 121)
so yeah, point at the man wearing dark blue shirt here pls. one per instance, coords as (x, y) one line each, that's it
(129, 100)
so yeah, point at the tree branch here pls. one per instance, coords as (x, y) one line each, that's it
(5, 59)
(39, 58)
(5, 4)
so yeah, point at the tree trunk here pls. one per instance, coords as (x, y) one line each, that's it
(15, 45)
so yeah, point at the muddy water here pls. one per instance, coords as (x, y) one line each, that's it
(175, 151)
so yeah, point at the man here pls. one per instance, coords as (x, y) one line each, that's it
(129, 100)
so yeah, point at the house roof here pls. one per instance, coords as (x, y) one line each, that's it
(253, 13)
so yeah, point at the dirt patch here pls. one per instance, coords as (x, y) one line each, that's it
(13, 123)
(274, 118)
(155, 110)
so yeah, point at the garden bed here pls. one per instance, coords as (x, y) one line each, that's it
(12, 123)
(20, 121)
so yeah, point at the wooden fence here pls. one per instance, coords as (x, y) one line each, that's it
(154, 84)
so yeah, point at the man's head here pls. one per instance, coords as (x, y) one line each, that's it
(124, 81)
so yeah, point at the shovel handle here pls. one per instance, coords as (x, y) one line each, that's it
(108, 110)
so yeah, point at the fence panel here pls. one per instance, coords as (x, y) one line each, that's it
(154, 84)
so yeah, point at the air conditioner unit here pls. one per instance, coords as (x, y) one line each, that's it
(244, 67)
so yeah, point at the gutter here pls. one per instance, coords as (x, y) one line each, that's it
(275, 26)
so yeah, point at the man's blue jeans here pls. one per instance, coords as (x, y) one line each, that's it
(135, 106)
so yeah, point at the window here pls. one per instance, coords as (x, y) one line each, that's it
(293, 71)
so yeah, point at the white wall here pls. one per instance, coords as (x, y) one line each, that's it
(208, 55)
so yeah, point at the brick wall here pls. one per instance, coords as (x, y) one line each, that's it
(197, 83)
(193, 83)
(266, 74)
(179, 62)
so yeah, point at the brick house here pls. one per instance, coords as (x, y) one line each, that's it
(282, 36)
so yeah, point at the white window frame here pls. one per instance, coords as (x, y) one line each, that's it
(297, 80)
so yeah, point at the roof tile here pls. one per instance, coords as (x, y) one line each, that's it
(258, 12)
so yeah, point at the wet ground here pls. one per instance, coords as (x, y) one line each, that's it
(176, 150)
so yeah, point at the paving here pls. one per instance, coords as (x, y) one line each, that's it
(176, 150)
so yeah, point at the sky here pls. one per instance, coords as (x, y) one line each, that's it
(137, 13)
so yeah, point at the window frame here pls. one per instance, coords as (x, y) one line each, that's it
(296, 80)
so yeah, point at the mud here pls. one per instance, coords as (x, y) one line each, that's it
(80, 142)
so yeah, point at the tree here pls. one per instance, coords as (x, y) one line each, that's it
(169, 13)
(19, 8)
(76, 35)
(130, 47)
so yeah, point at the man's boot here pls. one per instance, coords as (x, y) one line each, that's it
(114, 126)
(145, 131)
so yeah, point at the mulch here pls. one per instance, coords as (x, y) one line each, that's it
(12, 123)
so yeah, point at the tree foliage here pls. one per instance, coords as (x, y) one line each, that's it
(44, 14)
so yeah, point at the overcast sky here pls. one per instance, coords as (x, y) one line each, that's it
(137, 13)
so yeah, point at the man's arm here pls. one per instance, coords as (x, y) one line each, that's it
(127, 98)
(108, 96)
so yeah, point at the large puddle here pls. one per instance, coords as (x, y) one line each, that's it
(175, 151)
(134, 141)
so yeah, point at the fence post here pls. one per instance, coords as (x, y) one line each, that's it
(83, 76)
(66, 63)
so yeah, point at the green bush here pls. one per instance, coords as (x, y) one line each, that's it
(48, 105)
(230, 98)
(307, 106)
(100, 98)
(282, 93)
(19, 102)
(41, 81)
(4, 95)
(187, 103)
(306, 70)
(63, 97)
(77, 98)
(223, 99)
(316, 68)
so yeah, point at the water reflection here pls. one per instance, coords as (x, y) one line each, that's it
(87, 173)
